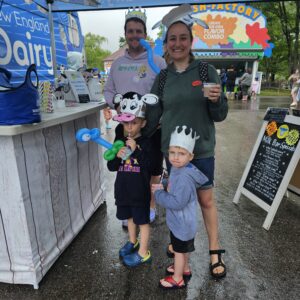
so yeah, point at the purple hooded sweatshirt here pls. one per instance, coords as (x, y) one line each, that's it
(181, 201)
(131, 74)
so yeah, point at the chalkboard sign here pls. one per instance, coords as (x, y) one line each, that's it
(272, 158)
(271, 165)
(276, 114)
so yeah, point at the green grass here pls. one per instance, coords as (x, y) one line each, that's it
(272, 92)
(275, 92)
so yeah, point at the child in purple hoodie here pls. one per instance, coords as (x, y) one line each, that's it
(181, 204)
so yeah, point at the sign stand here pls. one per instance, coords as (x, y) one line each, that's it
(78, 89)
(294, 185)
(271, 165)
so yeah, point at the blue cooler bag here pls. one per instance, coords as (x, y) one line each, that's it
(19, 104)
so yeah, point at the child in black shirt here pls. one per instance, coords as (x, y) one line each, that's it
(132, 185)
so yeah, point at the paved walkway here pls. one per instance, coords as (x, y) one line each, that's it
(261, 264)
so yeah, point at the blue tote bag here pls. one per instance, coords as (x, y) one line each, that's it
(19, 104)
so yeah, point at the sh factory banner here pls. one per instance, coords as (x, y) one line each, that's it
(25, 37)
(231, 26)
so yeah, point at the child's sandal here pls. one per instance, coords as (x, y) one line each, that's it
(219, 263)
(186, 275)
(174, 285)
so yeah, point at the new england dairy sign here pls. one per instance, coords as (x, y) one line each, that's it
(231, 26)
(25, 37)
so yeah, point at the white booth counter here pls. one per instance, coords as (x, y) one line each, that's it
(50, 185)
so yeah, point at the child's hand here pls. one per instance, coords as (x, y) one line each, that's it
(121, 152)
(107, 113)
(156, 187)
(131, 143)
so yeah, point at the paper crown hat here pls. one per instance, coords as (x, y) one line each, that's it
(136, 13)
(180, 138)
(133, 105)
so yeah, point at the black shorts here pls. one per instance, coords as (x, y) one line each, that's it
(181, 246)
(139, 214)
(158, 155)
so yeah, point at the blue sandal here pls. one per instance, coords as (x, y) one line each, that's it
(134, 259)
(128, 248)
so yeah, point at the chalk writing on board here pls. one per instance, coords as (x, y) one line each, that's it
(272, 159)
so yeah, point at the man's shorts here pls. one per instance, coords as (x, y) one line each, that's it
(182, 246)
(206, 166)
(139, 214)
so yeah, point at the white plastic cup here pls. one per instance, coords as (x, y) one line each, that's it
(60, 104)
(207, 86)
(127, 153)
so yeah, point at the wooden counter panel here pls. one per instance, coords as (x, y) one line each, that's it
(50, 185)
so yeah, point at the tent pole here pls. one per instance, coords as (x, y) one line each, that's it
(53, 47)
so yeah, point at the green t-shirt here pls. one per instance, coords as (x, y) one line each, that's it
(183, 103)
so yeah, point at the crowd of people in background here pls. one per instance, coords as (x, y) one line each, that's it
(239, 88)
(245, 86)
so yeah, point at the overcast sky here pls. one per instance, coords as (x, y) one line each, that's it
(110, 24)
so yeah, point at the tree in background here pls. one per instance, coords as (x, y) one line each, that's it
(94, 53)
(122, 41)
(289, 16)
(161, 31)
(283, 27)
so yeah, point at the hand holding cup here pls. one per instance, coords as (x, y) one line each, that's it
(212, 91)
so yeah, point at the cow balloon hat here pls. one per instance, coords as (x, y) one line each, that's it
(133, 105)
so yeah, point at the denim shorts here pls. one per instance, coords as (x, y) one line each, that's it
(206, 166)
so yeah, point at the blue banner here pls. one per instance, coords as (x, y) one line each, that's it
(25, 38)
(80, 5)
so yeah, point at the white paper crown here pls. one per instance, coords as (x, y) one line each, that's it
(136, 13)
(179, 138)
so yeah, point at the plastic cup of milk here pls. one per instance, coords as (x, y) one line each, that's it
(207, 86)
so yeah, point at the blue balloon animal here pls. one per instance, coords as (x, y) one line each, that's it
(85, 135)
(151, 63)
